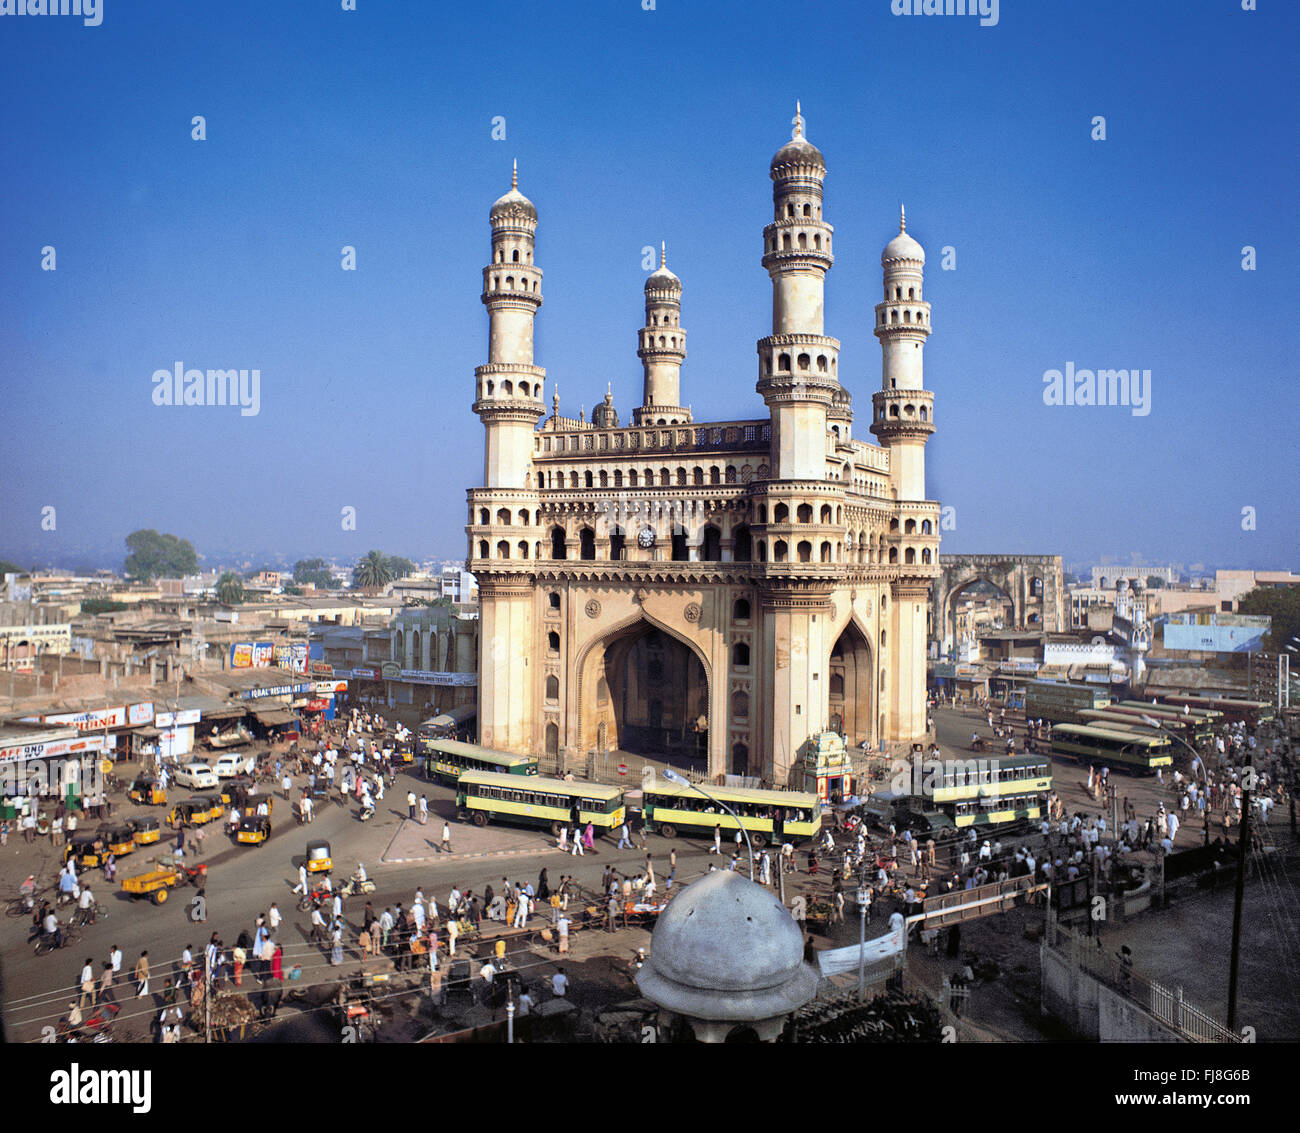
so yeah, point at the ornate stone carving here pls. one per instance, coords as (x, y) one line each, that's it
(692, 612)
(592, 608)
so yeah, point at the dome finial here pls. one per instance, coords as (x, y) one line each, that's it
(555, 400)
(663, 253)
(798, 120)
(902, 219)
(514, 175)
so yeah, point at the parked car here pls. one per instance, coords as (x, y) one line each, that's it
(197, 776)
(234, 763)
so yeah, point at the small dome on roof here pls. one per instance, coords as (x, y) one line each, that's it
(798, 151)
(902, 246)
(661, 279)
(513, 203)
(727, 949)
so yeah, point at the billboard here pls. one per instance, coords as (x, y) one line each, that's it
(1215, 638)
(265, 654)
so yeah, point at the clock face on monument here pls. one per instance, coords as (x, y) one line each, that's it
(646, 537)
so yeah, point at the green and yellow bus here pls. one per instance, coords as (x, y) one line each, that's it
(998, 791)
(670, 809)
(446, 759)
(1113, 747)
(488, 796)
(1192, 727)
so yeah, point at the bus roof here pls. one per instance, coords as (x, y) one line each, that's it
(1089, 731)
(539, 783)
(477, 751)
(460, 715)
(740, 795)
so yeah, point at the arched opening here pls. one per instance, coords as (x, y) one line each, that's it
(617, 543)
(552, 687)
(657, 700)
(909, 556)
(558, 550)
(740, 609)
(503, 550)
(740, 705)
(739, 759)
(484, 517)
(711, 545)
(741, 545)
(587, 543)
(780, 551)
(805, 551)
(552, 740)
(482, 549)
(503, 517)
(681, 552)
(553, 642)
(523, 548)
(825, 513)
(805, 513)
(850, 685)
(826, 553)
(553, 599)
(780, 513)
(740, 655)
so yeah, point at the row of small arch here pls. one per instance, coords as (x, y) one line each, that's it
(508, 389)
(804, 363)
(907, 316)
(801, 242)
(510, 284)
(514, 256)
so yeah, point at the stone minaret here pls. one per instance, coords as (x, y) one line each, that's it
(903, 420)
(510, 387)
(798, 364)
(503, 535)
(662, 348)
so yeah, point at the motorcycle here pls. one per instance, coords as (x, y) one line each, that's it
(314, 897)
(367, 813)
(354, 887)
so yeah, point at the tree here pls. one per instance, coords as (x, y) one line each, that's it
(6, 567)
(1282, 604)
(400, 567)
(314, 571)
(153, 555)
(372, 572)
(230, 590)
(101, 606)
(1154, 582)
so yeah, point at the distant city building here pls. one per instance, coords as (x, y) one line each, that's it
(1104, 577)
(458, 584)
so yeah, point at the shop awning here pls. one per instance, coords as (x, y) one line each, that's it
(274, 717)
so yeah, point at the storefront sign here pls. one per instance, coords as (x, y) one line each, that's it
(322, 669)
(363, 674)
(277, 690)
(443, 680)
(122, 716)
(265, 654)
(316, 705)
(392, 671)
(177, 719)
(329, 688)
(52, 748)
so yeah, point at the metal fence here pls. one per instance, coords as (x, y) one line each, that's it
(1169, 1007)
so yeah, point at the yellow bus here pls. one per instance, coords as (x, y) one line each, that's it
(1112, 747)
(997, 791)
(533, 800)
(670, 808)
(445, 759)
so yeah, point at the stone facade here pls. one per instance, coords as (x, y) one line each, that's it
(724, 589)
(1035, 585)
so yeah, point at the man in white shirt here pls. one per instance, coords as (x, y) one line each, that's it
(116, 958)
(273, 917)
(525, 1003)
(559, 984)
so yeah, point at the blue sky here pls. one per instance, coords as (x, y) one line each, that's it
(372, 128)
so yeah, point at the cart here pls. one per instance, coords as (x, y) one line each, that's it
(166, 874)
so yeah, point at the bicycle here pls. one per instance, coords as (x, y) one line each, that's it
(45, 944)
(82, 918)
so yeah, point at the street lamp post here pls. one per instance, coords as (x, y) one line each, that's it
(673, 777)
(862, 945)
(1197, 760)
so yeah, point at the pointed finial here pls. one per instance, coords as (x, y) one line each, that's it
(902, 219)
(514, 175)
(663, 253)
(609, 388)
(555, 400)
(798, 121)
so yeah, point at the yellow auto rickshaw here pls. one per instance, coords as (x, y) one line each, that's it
(119, 839)
(254, 829)
(147, 791)
(87, 849)
(191, 812)
(145, 829)
(318, 856)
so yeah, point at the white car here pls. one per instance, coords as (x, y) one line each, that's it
(196, 775)
(234, 763)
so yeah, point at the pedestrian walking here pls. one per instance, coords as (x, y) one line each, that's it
(446, 837)
(424, 809)
(623, 837)
(717, 839)
(410, 804)
(142, 975)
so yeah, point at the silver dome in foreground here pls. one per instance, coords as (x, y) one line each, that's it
(725, 953)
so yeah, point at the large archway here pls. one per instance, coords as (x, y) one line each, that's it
(850, 687)
(976, 605)
(646, 692)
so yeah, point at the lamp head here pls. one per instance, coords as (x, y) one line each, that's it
(673, 777)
